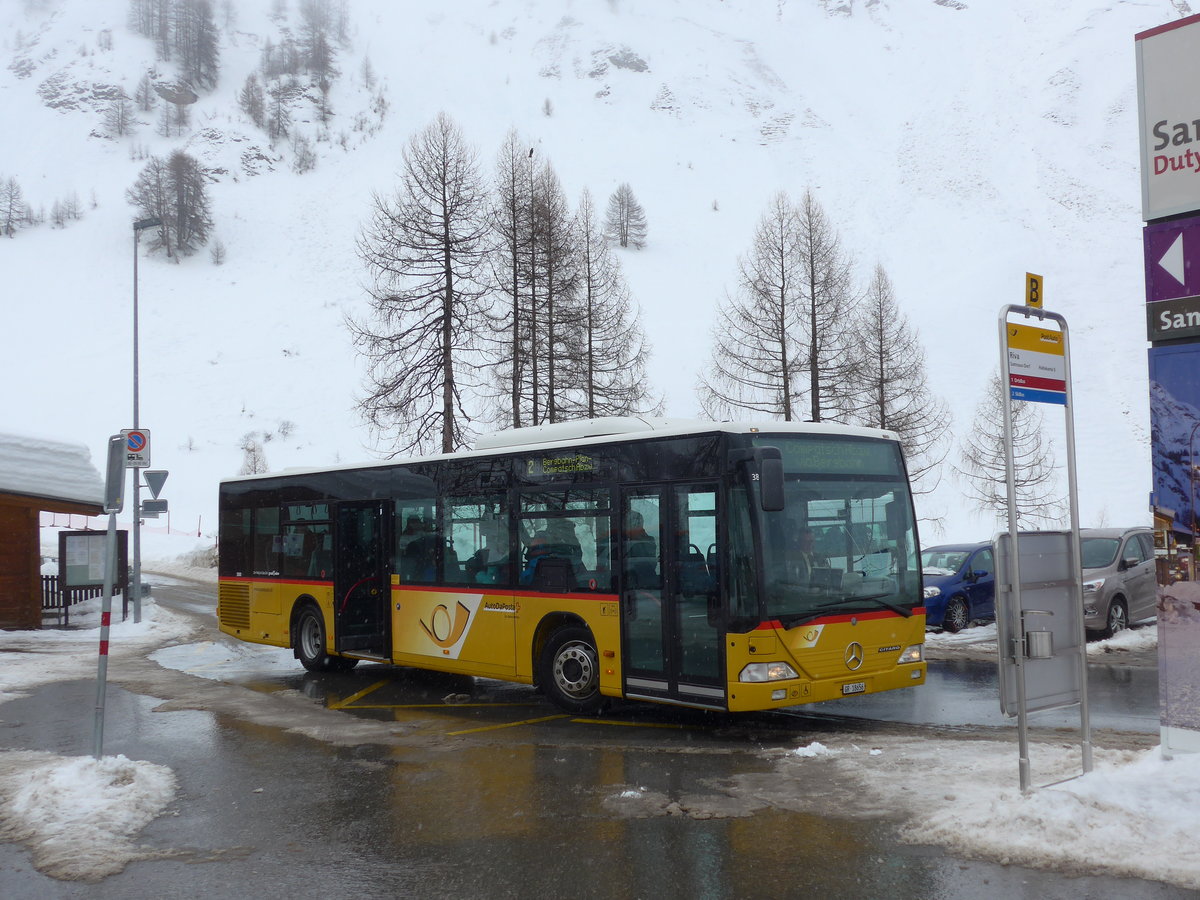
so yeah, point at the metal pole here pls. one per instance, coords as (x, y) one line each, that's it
(110, 568)
(1015, 618)
(1085, 723)
(136, 587)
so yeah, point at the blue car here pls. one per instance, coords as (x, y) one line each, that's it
(960, 585)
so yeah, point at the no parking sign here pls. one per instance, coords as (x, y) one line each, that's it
(137, 447)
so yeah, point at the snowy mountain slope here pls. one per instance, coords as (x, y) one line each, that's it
(960, 144)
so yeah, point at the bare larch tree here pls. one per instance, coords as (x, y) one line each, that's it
(755, 364)
(510, 214)
(893, 387)
(981, 467)
(425, 249)
(625, 220)
(610, 371)
(829, 303)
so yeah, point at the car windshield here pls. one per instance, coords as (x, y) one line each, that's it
(946, 560)
(846, 538)
(1096, 553)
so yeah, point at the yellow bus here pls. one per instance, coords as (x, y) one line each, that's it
(722, 566)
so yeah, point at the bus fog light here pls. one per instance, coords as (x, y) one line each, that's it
(780, 694)
(775, 671)
(913, 654)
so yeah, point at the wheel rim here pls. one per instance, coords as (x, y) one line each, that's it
(1116, 618)
(956, 615)
(575, 670)
(310, 637)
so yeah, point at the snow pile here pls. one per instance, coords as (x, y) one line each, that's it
(982, 638)
(78, 815)
(76, 652)
(225, 661)
(965, 796)
(40, 467)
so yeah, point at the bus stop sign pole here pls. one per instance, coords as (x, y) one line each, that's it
(113, 502)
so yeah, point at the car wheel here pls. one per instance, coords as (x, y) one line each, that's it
(1118, 617)
(957, 615)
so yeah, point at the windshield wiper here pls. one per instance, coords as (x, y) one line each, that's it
(874, 598)
(789, 622)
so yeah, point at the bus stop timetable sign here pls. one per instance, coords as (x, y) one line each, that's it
(1037, 364)
(137, 447)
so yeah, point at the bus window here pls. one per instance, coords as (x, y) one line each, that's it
(268, 542)
(308, 551)
(477, 532)
(416, 542)
(572, 526)
(235, 532)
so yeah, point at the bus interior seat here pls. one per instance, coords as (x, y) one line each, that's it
(554, 574)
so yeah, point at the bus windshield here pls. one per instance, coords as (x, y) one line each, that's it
(845, 540)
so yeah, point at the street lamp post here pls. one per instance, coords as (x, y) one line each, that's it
(138, 227)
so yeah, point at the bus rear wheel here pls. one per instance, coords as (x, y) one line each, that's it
(569, 670)
(309, 644)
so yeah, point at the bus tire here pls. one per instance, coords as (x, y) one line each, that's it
(569, 670)
(309, 644)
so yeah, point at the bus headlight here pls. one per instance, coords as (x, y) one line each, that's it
(773, 671)
(913, 654)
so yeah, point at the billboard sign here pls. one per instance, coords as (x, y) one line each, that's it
(1168, 68)
(1172, 259)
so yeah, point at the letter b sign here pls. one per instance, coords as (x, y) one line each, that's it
(1033, 290)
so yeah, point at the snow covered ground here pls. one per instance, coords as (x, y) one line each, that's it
(63, 807)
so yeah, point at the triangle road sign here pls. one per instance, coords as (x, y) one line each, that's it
(154, 480)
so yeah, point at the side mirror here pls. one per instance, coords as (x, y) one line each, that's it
(1129, 562)
(982, 573)
(770, 469)
(765, 466)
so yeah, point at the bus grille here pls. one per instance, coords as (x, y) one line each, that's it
(233, 605)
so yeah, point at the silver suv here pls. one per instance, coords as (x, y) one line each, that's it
(1119, 584)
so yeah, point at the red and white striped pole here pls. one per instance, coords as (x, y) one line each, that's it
(113, 502)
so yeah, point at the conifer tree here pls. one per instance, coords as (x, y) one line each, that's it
(625, 221)
(425, 249)
(982, 470)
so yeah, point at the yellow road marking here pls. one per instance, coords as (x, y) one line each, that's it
(344, 703)
(507, 725)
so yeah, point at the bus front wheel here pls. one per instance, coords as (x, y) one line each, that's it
(570, 670)
(309, 643)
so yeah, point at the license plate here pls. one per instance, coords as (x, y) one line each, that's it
(854, 687)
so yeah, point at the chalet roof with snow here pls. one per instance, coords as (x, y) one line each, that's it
(49, 470)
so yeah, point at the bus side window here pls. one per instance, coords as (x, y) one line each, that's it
(268, 542)
(416, 543)
(236, 541)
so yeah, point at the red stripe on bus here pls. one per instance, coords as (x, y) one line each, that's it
(843, 617)
(490, 590)
(270, 579)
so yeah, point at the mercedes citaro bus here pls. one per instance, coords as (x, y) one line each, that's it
(715, 565)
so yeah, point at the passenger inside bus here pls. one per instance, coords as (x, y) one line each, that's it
(418, 554)
(489, 564)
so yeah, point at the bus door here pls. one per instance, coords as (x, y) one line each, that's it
(670, 612)
(362, 578)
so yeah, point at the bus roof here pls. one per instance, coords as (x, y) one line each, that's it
(605, 430)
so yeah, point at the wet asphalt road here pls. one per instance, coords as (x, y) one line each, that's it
(514, 812)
